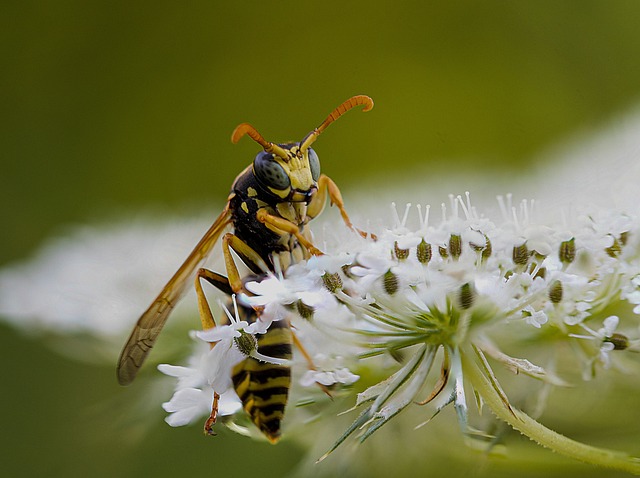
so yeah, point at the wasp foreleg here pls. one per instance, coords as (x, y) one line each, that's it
(206, 317)
(283, 226)
(326, 187)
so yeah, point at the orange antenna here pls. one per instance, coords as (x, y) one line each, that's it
(334, 115)
(246, 128)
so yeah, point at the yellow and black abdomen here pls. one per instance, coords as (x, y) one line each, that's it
(263, 387)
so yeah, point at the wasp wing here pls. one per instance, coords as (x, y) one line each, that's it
(149, 325)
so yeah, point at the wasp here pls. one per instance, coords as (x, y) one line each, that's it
(271, 202)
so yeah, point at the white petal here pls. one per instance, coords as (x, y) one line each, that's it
(216, 334)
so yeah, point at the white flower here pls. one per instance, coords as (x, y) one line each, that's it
(207, 380)
(237, 341)
(329, 371)
(209, 371)
(190, 404)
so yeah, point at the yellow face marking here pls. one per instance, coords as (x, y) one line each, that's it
(251, 192)
(244, 207)
(297, 168)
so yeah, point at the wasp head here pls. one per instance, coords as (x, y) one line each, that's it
(292, 175)
(290, 171)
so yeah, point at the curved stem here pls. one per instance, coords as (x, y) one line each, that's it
(541, 434)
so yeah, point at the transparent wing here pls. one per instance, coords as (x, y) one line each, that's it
(149, 325)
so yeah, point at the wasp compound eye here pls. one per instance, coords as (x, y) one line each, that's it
(314, 164)
(270, 173)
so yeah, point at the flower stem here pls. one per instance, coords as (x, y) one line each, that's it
(541, 434)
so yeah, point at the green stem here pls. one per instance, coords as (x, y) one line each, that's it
(541, 434)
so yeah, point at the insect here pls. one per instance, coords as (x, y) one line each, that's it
(270, 204)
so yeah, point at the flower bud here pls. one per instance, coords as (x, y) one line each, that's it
(305, 311)
(555, 292)
(615, 249)
(390, 282)
(467, 296)
(401, 254)
(567, 251)
(619, 341)
(332, 282)
(455, 245)
(521, 254)
(423, 252)
(246, 343)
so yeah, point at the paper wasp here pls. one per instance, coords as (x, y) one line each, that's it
(269, 206)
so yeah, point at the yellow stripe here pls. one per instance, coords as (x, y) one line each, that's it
(271, 383)
(257, 366)
(262, 418)
(275, 337)
(257, 402)
(243, 386)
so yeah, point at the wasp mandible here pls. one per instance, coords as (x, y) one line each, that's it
(271, 202)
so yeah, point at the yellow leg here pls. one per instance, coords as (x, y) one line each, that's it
(248, 255)
(282, 226)
(206, 317)
(326, 187)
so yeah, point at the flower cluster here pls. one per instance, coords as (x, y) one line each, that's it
(425, 313)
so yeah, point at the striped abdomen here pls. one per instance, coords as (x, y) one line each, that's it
(264, 387)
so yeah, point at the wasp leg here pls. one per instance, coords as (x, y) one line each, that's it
(211, 421)
(326, 187)
(309, 360)
(219, 281)
(206, 317)
(283, 226)
(248, 256)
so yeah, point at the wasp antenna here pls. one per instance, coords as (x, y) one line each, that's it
(246, 128)
(334, 115)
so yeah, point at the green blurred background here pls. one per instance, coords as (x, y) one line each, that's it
(115, 107)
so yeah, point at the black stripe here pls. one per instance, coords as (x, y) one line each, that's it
(268, 393)
(275, 350)
(269, 410)
(238, 378)
(263, 376)
(271, 427)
